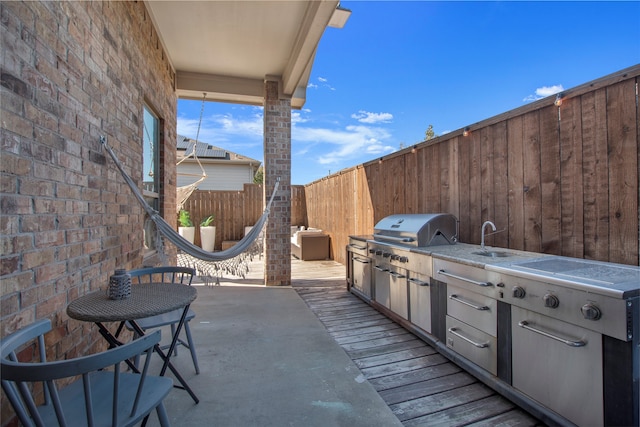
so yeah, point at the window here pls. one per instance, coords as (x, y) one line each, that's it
(150, 174)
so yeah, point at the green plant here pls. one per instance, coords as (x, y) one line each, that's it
(184, 218)
(207, 221)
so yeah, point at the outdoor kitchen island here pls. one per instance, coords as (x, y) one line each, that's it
(556, 335)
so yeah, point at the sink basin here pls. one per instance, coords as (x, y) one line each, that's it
(492, 254)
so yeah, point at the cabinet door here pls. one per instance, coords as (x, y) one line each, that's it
(420, 301)
(399, 301)
(381, 284)
(361, 279)
(563, 376)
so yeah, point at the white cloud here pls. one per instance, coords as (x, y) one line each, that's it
(543, 92)
(348, 144)
(235, 133)
(324, 82)
(367, 117)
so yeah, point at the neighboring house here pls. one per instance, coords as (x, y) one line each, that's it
(225, 170)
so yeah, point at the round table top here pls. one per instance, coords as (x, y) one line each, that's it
(146, 300)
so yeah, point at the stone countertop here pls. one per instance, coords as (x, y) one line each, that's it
(611, 279)
(465, 253)
(615, 280)
(362, 238)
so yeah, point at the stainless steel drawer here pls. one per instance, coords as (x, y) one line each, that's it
(466, 276)
(358, 247)
(473, 344)
(473, 308)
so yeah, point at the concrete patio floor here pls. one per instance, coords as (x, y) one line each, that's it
(266, 360)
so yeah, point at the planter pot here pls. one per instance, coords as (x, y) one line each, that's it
(188, 233)
(208, 238)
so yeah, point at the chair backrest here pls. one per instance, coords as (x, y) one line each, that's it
(16, 375)
(183, 275)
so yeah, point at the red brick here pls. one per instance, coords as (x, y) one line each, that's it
(38, 258)
(51, 305)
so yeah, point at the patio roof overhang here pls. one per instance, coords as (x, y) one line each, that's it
(227, 49)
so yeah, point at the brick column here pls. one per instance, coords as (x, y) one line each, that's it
(277, 164)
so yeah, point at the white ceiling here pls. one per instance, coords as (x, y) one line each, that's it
(229, 48)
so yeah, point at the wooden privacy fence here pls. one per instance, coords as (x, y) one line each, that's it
(561, 180)
(234, 210)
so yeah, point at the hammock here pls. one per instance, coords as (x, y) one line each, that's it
(172, 235)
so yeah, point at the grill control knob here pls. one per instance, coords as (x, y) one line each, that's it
(551, 301)
(591, 311)
(518, 292)
(395, 257)
(386, 254)
(404, 259)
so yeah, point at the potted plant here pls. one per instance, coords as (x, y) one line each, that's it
(207, 233)
(185, 225)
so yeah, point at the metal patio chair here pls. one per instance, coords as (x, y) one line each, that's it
(182, 275)
(98, 397)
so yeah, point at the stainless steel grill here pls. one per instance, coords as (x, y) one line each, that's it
(417, 230)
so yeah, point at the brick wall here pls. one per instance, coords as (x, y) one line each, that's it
(70, 72)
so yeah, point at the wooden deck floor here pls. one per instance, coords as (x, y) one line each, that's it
(421, 387)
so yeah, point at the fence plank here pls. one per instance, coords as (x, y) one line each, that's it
(550, 232)
(500, 183)
(622, 128)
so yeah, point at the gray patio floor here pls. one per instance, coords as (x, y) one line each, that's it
(266, 360)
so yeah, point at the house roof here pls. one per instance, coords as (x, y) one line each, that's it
(227, 49)
(206, 151)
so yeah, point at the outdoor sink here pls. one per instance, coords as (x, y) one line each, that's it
(492, 254)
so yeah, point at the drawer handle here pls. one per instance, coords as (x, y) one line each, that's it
(361, 260)
(377, 267)
(524, 324)
(397, 275)
(361, 248)
(465, 279)
(473, 343)
(418, 282)
(455, 297)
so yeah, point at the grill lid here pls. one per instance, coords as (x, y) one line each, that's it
(417, 229)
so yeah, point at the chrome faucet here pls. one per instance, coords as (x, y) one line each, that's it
(483, 227)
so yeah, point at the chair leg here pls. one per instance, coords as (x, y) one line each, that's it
(192, 348)
(136, 359)
(173, 333)
(162, 415)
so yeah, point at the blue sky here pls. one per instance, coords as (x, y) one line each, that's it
(397, 67)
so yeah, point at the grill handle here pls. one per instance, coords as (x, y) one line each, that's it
(418, 282)
(361, 260)
(354, 246)
(394, 239)
(465, 279)
(524, 324)
(455, 297)
(453, 331)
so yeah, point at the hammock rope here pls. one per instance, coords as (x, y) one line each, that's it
(168, 232)
(184, 192)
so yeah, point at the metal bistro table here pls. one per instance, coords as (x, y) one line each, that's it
(146, 300)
